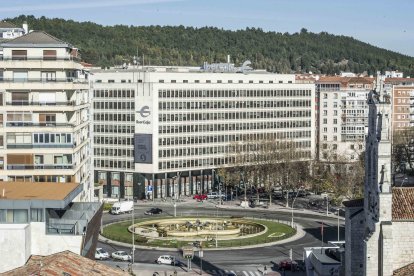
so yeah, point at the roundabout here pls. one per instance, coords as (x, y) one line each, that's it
(211, 232)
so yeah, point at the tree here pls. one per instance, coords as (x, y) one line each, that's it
(403, 149)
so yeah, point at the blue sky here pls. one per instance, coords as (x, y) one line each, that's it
(387, 24)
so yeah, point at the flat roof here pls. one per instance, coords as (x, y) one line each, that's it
(36, 190)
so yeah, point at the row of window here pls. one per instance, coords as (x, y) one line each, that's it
(169, 106)
(230, 127)
(114, 93)
(113, 129)
(208, 162)
(114, 105)
(229, 93)
(121, 141)
(114, 152)
(39, 138)
(114, 117)
(183, 152)
(21, 215)
(182, 140)
(193, 117)
(111, 164)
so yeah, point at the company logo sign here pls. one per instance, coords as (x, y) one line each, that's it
(144, 112)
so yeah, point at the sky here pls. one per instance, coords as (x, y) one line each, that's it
(387, 24)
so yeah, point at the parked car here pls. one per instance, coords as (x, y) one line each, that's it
(166, 259)
(212, 195)
(288, 264)
(101, 254)
(153, 211)
(121, 255)
(200, 197)
(122, 207)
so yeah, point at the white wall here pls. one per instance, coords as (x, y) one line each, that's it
(14, 245)
(43, 244)
(403, 244)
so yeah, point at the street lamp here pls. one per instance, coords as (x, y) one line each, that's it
(133, 234)
(337, 214)
(294, 202)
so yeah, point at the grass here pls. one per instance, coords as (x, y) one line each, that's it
(119, 232)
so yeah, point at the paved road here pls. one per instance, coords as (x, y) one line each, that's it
(242, 259)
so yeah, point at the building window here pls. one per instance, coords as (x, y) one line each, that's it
(325, 129)
(19, 54)
(325, 112)
(335, 121)
(325, 95)
(325, 121)
(49, 54)
(325, 138)
(36, 214)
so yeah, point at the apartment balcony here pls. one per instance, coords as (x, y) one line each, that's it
(40, 167)
(40, 127)
(44, 84)
(40, 62)
(22, 105)
(41, 146)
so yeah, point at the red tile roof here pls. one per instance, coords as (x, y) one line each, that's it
(403, 204)
(61, 263)
(407, 270)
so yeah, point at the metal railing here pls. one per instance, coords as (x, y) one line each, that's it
(41, 58)
(26, 102)
(46, 124)
(33, 146)
(39, 167)
(61, 229)
(43, 80)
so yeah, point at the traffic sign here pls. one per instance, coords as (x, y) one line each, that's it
(188, 252)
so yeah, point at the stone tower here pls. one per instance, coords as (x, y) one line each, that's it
(378, 196)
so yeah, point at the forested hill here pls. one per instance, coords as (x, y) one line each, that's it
(277, 52)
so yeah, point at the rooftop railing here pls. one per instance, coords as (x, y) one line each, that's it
(40, 167)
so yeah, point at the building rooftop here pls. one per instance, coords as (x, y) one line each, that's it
(37, 38)
(7, 25)
(407, 270)
(323, 258)
(36, 190)
(354, 203)
(403, 203)
(63, 263)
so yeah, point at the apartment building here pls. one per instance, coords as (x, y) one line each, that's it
(44, 112)
(10, 31)
(162, 132)
(343, 116)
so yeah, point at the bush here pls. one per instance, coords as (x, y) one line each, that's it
(107, 206)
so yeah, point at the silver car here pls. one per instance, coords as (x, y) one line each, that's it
(121, 255)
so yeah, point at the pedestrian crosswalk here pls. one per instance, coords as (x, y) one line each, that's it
(234, 273)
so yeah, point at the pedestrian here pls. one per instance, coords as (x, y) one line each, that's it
(265, 270)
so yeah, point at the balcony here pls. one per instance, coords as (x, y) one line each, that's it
(25, 105)
(44, 84)
(40, 167)
(40, 146)
(45, 124)
(32, 103)
(41, 62)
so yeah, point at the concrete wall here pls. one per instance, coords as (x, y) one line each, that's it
(403, 244)
(43, 244)
(14, 249)
(354, 235)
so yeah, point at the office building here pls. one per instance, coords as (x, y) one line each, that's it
(164, 131)
(44, 113)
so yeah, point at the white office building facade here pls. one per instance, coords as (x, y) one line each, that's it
(163, 132)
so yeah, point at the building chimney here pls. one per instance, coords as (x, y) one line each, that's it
(25, 27)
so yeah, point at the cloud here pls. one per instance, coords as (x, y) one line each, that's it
(82, 5)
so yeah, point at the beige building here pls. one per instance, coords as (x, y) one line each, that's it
(44, 112)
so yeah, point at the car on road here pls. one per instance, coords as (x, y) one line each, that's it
(212, 195)
(153, 211)
(200, 197)
(101, 254)
(288, 264)
(166, 259)
(121, 255)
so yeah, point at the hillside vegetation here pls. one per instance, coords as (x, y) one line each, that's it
(276, 52)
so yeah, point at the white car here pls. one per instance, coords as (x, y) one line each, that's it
(121, 255)
(101, 254)
(166, 259)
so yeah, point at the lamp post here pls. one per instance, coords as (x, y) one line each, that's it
(133, 234)
(291, 207)
(337, 214)
(216, 226)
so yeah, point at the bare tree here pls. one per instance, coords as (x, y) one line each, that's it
(403, 148)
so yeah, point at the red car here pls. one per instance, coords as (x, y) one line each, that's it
(200, 197)
(288, 264)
